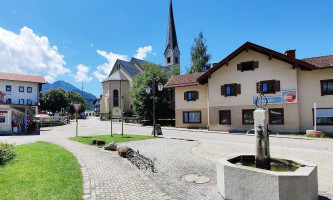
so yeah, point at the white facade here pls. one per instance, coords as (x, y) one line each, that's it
(24, 97)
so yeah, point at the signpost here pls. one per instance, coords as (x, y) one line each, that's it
(158, 129)
(77, 107)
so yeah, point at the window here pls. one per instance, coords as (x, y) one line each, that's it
(8, 88)
(191, 95)
(21, 89)
(176, 59)
(268, 87)
(168, 60)
(276, 116)
(192, 117)
(248, 117)
(230, 89)
(224, 117)
(21, 101)
(324, 116)
(9, 101)
(326, 87)
(29, 89)
(115, 98)
(2, 119)
(247, 66)
(29, 102)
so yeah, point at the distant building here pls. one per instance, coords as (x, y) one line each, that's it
(97, 106)
(223, 98)
(117, 85)
(19, 100)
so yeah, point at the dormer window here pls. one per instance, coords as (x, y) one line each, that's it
(168, 60)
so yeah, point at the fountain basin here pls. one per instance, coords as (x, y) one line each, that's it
(236, 181)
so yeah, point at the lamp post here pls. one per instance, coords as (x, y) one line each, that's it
(160, 88)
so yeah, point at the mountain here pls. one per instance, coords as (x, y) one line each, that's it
(69, 87)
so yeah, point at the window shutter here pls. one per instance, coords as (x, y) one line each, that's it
(258, 89)
(238, 89)
(196, 94)
(185, 95)
(255, 64)
(239, 67)
(223, 90)
(277, 86)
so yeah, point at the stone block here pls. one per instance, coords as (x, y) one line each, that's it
(112, 146)
(242, 182)
(123, 150)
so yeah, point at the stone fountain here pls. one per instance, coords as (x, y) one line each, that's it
(261, 177)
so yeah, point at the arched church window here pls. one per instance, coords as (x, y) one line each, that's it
(168, 60)
(115, 98)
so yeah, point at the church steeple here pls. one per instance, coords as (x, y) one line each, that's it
(171, 52)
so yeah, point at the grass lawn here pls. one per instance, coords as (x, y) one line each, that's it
(107, 138)
(41, 171)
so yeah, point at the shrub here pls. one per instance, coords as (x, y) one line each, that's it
(6, 152)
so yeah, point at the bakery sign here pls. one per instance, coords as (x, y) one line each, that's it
(4, 117)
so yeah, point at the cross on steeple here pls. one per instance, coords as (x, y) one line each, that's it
(171, 53)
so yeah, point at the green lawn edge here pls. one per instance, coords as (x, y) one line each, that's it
(107, 138)
(41, 170)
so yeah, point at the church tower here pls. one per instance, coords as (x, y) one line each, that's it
(171, 53)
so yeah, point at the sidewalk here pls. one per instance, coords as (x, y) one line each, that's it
(108, 176)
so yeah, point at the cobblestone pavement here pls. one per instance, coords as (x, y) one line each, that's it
(108, 176)
(174, 160)
(216, 150)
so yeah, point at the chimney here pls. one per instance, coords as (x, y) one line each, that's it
(291, 53)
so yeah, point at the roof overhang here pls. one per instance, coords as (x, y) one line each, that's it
(251, 46)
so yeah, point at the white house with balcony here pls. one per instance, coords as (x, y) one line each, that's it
(19, 100)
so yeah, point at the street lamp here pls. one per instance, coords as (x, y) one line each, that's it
(148, 90)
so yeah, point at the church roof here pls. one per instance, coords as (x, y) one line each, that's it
(116, 76)
(130, 67)
(171, 36)
(137, 61)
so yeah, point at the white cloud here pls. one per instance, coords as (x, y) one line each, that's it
(28, 53)
(142, 52)
(81, 74)
(49, 79)
(104, 70)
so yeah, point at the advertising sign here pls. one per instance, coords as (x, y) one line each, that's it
(4, 117)
(116, 113)
(270, 100)
(289, 96)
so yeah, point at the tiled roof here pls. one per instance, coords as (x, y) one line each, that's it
(183, 80)
(321, 61)
(22, 77)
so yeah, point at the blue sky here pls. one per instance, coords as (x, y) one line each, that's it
(79, 40)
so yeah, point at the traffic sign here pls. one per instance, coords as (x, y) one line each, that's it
(77, 106)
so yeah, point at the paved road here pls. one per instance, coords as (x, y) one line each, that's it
(103, 127)
(99, 180)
